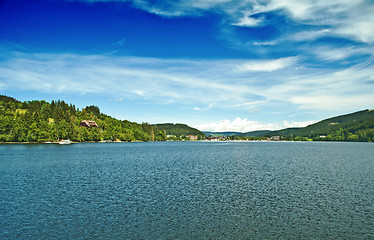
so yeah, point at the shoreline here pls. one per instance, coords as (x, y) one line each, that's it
(31, 143)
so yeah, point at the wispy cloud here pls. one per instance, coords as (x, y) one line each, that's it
(345, 18)
(140, 92)
(120, 42)
(336, 54)
(196, 83)
(249, 103)
(248, 21)
(328, 89)
(204, 108)
(267, 65)
(308, 35)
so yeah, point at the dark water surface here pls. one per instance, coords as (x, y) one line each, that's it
(187, 190)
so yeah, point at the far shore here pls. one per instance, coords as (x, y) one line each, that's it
(31, 142)
(57, 142)
(5, 143)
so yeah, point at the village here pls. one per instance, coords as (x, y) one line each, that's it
(170, 137)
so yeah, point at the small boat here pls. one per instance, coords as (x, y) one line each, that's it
(64, 142)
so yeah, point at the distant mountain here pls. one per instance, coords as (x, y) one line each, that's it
(353, 126)
(178, 129)
(358, 126)
(258, 133)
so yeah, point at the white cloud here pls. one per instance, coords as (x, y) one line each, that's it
(204, 109)
(200, 84)
(329, 102)
(268, 65)
(248, 21)
(249, 103)
(345, 18)
(178, 8)
(245, 125)
(140, 92)
(159, 79)
(360, 29)
(309, 35)
(266, 43)
(334, 54)
(328, 89)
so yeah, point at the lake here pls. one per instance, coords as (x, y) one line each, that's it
(187, 190)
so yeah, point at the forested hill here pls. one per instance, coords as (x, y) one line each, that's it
(258, 133)
(358, 126)
(40, 121)
(179, 129)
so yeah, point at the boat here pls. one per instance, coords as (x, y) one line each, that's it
(64, 142)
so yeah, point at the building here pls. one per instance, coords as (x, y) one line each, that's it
(88, 124)
(192, 137)
(275, 138)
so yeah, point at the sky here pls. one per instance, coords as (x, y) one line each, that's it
(217, 65)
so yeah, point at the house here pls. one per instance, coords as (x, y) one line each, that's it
(275, 138)
(88, 124)
(192, 137)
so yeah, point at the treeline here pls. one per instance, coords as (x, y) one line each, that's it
(354, 127)
(179, 129)
(363, 132)
(41, 121)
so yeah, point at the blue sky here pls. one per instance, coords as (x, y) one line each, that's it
(217, 65)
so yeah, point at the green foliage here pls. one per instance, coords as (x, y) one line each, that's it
(356, 127)
(179, 129)
(40, 121)
(93, 110)
(6, 99)
(244, 136)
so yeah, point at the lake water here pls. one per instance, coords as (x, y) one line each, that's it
(187, 190)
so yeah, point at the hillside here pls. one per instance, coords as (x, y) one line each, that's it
(40, 121)
(221, 134)
(358, 126)
(178, 129)
(258, 133)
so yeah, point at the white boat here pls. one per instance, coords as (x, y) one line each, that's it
(64, 142)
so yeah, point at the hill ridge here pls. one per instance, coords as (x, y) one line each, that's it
(356, 126)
